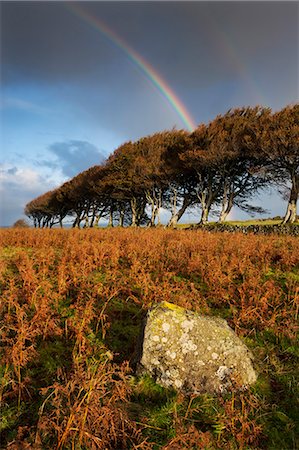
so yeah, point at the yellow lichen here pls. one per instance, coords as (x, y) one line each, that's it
(171, 306)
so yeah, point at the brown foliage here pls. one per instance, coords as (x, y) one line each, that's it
(59, 285)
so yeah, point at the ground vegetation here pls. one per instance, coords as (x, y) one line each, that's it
(72, 302)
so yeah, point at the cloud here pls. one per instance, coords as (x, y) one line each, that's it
(218, 59)
(18, 186)
(72, 157)
(26, 177)
(205, 41)
(11, 171)
(22, 105)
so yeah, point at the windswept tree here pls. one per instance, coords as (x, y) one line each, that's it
(149, 165)
(179, 193)
(219, 165)
(79, 199)
(70, 194)
(233, 143)
(43, 210)
(198, 161)
(100, 199)
(281, 152)
(158, 162)
(123, 183)
(35, 211)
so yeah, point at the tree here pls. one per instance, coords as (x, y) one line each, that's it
(21, 223)
(179, 193)
(219, 165)
(281, 152)
(42, 210)
(123, 183)
(77, 198)
(233, 140)
(203, 170)
(149, 165)
(101, 201)
(158, 162)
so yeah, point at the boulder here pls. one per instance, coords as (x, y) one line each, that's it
(193, 353)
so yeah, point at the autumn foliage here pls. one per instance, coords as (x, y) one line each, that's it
(71, 308)
(222, 164)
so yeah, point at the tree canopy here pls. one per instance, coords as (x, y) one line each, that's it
(219, 165)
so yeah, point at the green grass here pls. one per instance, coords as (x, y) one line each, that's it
(254, 222)
(276, 393)
(240, 223)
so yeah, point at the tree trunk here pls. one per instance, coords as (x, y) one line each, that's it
(93, 217)
(158, 207)
(121, 217)
(174, 204)
(97, 219)
(133, 204)
(223, 213)
(153, 214)
(205, 197)
(178, 214)
(204, 214)
(86, 224)
(291, 213)
(45, 223)
(110, 223)
(152, 200)
(205, 203)
(77, 221)
(226, 208)
(140, 212)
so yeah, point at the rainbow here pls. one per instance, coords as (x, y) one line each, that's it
(150, 73)
(230, 50)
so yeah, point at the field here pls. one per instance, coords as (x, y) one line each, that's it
(72, 302)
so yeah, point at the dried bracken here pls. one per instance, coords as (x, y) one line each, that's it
(71, 306)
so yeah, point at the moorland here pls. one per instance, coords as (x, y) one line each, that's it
(72, 305)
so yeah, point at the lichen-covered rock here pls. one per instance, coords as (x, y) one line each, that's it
(193, 353)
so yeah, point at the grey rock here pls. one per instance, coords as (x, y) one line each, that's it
(193, 353)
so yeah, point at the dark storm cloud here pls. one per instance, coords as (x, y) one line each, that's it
(72, 157)
(62, 77)
(203, 41)
(44, 41)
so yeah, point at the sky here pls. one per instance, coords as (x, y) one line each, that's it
(79, 79)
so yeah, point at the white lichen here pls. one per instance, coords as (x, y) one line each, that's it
(187, 325)
(222, 372)
(165, 327)
(178, 383)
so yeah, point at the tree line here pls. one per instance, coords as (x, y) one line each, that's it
(219, 165)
